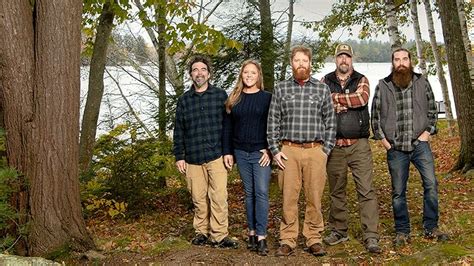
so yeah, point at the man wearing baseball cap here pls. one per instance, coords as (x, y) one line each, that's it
(350, 95)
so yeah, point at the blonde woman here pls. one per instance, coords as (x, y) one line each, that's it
(247, 107)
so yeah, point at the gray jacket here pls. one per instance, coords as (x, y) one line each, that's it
(384, 118)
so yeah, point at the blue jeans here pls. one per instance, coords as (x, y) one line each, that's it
(399, 165)
(256, 181)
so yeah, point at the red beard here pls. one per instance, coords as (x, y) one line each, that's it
(402, 76)
(301, 73)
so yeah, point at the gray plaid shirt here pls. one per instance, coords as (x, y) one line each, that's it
(301, 114)
(404, 113)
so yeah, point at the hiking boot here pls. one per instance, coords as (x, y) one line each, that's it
(317, 250)
(284, 251)
(199, 240)
(262, 249)
(335, 238)
(436, 233)
(372, 245)
(252, 243)
(401, 239)
(226, 243)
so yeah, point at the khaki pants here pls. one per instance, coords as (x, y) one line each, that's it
(307, 168)
(208, 186)
(357, 157)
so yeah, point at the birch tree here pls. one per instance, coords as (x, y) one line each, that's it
(418, 39)
(392, 25)
(439, 67)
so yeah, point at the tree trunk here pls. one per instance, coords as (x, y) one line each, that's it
(286, 51)
(418, 39)
(392, 24)
(96, 86)
(266, 45)
(439, 67)
(465, 36)
(40, 86)
(174, 76)
(162, 118)
(461, 81)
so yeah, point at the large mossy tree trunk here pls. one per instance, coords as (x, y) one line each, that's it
(40, 87)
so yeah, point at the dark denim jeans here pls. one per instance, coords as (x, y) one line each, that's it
(256, 181)
(399, 165)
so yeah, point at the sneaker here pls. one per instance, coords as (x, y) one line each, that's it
(252, 243)
(372, 245)
(335, 238)
(226, 243)
(317, 250)
(262, 249)
(436, 233)
(401, 239)
(284, 251)
(199, 240)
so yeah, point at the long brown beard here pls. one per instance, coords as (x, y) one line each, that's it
(301, 73)
(402, 76)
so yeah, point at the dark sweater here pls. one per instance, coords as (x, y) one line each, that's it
(249, 121)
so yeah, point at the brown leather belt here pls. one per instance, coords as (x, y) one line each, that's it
(304, 145)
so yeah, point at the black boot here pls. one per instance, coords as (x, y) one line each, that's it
(252, 243)
(262, 249)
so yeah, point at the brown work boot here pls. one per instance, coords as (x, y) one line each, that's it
(284, 251)
(317, 250)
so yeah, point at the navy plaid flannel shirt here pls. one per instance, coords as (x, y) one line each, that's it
(199, 126)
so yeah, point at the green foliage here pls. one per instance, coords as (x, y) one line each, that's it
(227, 61)
(182, 28)
(8, 215)
(127, 173)
(91, 10)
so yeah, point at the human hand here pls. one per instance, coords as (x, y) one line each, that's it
(425, 136)
(279, 157)
(181, 165)
(386, 144)
(228, 161)
(265, 159)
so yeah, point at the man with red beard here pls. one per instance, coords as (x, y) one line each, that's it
(350, 94)
(403, 117)
(301, 132)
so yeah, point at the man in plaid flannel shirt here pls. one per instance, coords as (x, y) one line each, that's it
(350, 95)
(403, 117)
(301, 131)
(199, 139)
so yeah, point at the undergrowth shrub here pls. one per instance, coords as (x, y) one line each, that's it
(8, 183)
(127, 173)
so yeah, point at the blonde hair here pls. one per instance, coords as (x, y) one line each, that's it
(235, 95)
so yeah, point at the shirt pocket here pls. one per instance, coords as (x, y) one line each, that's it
(288, 103)
(315, 103)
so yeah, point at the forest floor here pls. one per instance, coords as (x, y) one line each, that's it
(164, 237)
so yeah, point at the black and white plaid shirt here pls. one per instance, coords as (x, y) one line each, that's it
(301, 114)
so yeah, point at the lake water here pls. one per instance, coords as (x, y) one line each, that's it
(144, 100)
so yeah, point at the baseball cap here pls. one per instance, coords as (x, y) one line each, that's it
(344, 49)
